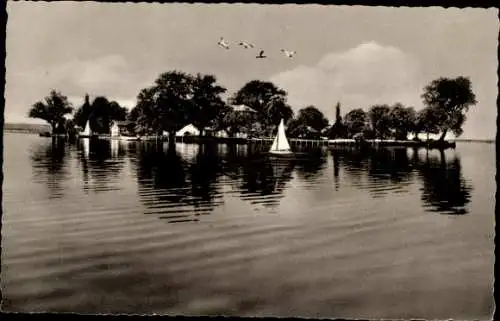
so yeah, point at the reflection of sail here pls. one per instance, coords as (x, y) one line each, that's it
(86, 147)
(280, 144)
(114, 148)
(100, 171)
(278, 172)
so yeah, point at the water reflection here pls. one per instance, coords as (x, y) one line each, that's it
(264, 180)
(311, 166)
(384, 171)
(189, 180)
(50, 167)
(101, 162)
(175, 188)
(389, 170)
(444, 188)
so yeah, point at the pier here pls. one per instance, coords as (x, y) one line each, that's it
(352, 142)
(298, 142)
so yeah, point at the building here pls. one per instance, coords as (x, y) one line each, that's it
(121, 128)
(188, 130)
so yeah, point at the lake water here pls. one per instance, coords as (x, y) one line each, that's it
(109, 227)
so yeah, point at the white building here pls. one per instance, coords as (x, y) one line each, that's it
(188, 130)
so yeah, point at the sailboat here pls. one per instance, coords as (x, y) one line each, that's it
(87, 132)
(281, 147)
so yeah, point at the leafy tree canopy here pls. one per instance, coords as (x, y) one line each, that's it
(379, 116)
(207, 102)
(402, 120)
(355, 121)
(53, 109)
(267, 100)
(450, 98)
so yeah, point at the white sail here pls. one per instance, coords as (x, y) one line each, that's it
(280, 143)
(115, 130)
(87, 131)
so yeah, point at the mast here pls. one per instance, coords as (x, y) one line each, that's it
(278, 136)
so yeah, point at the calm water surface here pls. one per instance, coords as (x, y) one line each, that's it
(109, 227)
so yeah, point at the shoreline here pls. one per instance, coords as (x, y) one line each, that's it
(294, 141)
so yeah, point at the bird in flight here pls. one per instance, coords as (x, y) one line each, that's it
(223, 43)
(261, 54)
(287, 53)
(246, 45)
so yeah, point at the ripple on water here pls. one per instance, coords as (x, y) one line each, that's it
(89, 231)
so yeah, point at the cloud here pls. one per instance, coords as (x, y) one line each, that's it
(367, 74)
(91, 75)
(109, 76)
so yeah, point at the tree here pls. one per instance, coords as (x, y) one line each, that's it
(338, 129)
(426, 121)
(313, 117)
(267, 100)
(103, 112)
(451, 99)
(355, 121)
(99, 119)
(275, 110)
(238, 121)
(379, 116)
(143, 114)
(402, 121)
(117, 112)
(207, 103)
(167, 105)
(99, 114)
(309, 122)
(52, 110)
(82, 114)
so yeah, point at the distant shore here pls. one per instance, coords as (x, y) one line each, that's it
(37, 129)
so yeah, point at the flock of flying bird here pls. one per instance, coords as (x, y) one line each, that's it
(224, 44)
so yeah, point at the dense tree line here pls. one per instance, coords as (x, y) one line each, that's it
(176, 99)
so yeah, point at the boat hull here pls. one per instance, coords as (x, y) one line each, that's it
(281, 154)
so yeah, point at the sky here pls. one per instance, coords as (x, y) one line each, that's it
(356, 55)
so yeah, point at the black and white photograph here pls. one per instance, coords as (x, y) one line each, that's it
(249, 160)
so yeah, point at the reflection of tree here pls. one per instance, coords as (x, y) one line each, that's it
(232, 161)
(387, 170)
(444, 188)
(203, 174)
(312, 165)
(266, 177)
(336, 170)
(101, 161)
(163, 171)
(353, 163)
(384, 169)
(48, 163)
(390, 167)
(175, 189)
